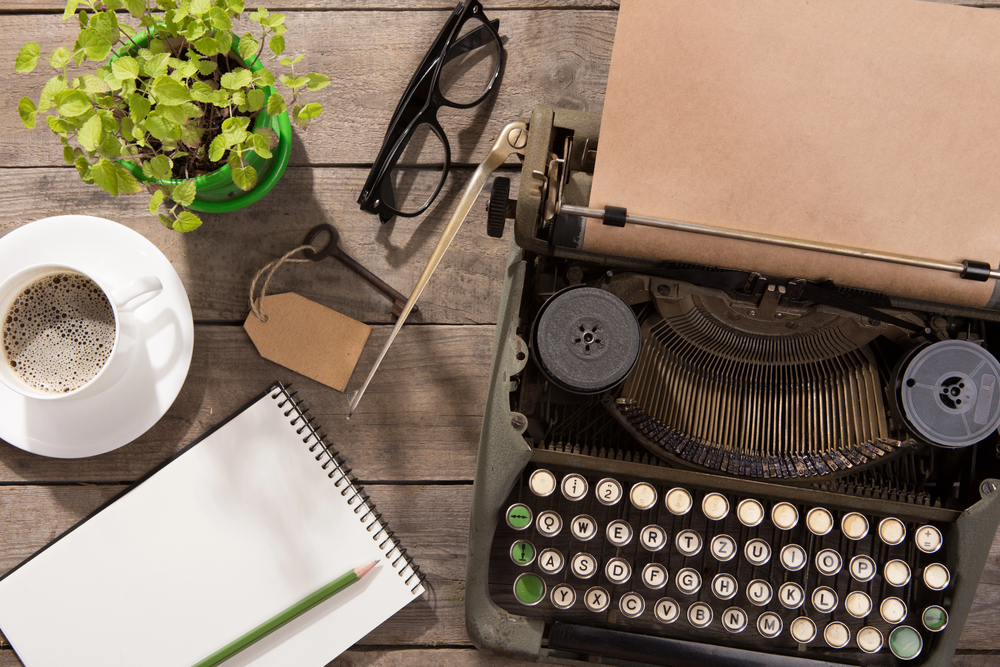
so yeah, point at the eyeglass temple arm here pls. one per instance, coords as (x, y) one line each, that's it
(512, 139)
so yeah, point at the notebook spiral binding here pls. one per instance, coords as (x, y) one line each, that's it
(395, 555)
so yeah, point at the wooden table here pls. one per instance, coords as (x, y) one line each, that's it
(414, 438)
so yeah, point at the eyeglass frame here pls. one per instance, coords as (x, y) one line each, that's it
(432, 63)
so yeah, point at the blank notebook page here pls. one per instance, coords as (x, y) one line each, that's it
(237, 528)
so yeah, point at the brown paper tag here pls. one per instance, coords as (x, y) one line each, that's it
(308, 338)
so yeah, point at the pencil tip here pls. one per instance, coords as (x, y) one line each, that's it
(365, 569)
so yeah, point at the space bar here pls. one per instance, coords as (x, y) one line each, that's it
(663, 651)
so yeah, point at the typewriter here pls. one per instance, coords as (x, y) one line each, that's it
(685, 464)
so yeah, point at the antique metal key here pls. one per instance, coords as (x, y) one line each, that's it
(332, 249)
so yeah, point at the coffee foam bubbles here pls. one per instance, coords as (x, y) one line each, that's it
(59, 332)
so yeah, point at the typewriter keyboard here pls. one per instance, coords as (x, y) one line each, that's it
(702, 563)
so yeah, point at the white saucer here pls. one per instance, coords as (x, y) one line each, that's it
(93, 425)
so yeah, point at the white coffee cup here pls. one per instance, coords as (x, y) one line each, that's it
(123, 297)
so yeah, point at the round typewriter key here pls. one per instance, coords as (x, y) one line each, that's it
(542, 482)
(584, 565)
(891, 531)
(896, 573)
(679, 501)
(688, 542)
(803, 630)
(522, 552)
(642, 495)
(723, 547)
(574, 487)
(619, 533)
(936, 577)
(734, 620)
(654, 575)
(666, 610)
(618, 570)
(934, 618)
(609, 491)
(724, 586)
(793, 557)
(862, 568)
(632, 605)
(699, 615)
(759, 592)
(583, 527)
(854, 526)
(858, 604)
(870, 639)
(892, 610)
(828, 562)
(549, 523)
(824, 599)
(750, 512)
(653, 537)
(757, 551)
(837, 635)
(563, 596)
(529, 589)
(551, 561)
(791, 595)
(688, 581)
(596, 599)
(715, 506)
(518, 516)
(784, 516)
(905, 642)
(819, 521)
(769, 624)
(928, 539)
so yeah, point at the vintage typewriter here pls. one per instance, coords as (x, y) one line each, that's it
(685, 464)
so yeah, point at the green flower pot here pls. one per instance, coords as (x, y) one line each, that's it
(216, 192)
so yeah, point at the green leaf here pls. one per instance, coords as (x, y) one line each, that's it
(70, 8)
(127, 183)
(317, 81)
(175, 115)
(309, 111)
(92, 44)
(184, 193)
(83, 168)
(245, 178)
(191, 135)
(234, 160)
(106, 24)
(238, 78)
(293, 82)
(287, 62)
(217, 148)
(91, 85)
(207, 46)
(263, 77)
(225, 40)
(206, 67)
(68, 155)
(138, 107)
(168, 92)
(199, 7)
(186, 221)
(191, 110)
(160, 167)
(91, 134)
(276, 105)
(60, 58)
(58, 125)
(260, 146)
(220, 19)
(235, 6)
(256, 99)
(26, 109)
(135, 7)
(194, 30)
(248, 47)
(156, 65)
(113, 5)
(160, 127)
(155, 201)
(105, 176)
(269, 136)
(259, 15)
(166, 221)
(125, 67)
(201, 92)
(72, 103)
(277, 45)
(275, 20)
(27, 58)
(185, 70)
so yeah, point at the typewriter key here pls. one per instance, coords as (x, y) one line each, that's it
(784, 516)
(563, 596)
(619, 533)
(522, 552)
(819, 521)
(542, 482)
(583, 527)
(750, 512)
(824, 599)
(699, 615)
(643, 496)
(688, 581)
(715, 506)
(724, 586)
(854, 526)
(858, 604)
(934, 618)
(893, 610)
(632, 605)
(891, 531)
(928, 539)
(905, 642)
(549, 523)
(550, 560)
(529, 589)
(653, 537)
(791, 595)
(723, 547)
(862, 568)
(666, 610)
(618, 570)
(759, 592)
(769, 624)
(654, 575)
(734, 620)
(609, 491)
(679, 501)
(584, 565)
(837, 635)
(518, 516)
(688, 542)
(793, 557)
(757, 551)
(896, 573)
(597, 599)
(574, 487)
(803, 630)
(936, 577)
(828, 562)
(870, 639)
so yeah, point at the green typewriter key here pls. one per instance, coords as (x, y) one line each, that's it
(522, 552)
(935, 618)
(529, 589)
(905, 643)
(518, 516)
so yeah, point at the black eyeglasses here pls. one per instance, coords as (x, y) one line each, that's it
(460, 70)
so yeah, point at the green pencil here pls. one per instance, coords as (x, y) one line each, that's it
(300, 607)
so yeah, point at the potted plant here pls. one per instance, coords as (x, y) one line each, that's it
(179, 105)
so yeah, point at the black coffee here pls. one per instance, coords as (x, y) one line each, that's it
(58, 332)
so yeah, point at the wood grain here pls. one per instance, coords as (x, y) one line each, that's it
(370, 56)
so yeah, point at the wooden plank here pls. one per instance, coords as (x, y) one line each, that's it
(218, 261)
(555, 58)
(419, 420)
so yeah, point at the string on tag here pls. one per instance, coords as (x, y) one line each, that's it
(258, 310)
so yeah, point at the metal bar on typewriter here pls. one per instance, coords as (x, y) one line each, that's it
(614, 215)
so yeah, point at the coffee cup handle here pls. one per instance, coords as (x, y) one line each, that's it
(129, 297)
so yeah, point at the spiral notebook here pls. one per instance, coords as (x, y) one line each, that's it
(245, 522)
